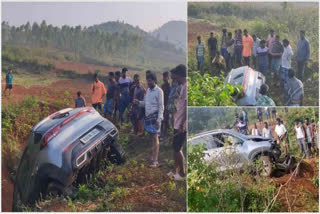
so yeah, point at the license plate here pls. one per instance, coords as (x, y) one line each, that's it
(89, 136)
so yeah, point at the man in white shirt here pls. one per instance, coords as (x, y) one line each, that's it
(124, 100)
(281, 132)
(285, 62)
(266, 131)
(154, 107)
(300, 133)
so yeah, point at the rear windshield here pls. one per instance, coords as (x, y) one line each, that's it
(238, 79)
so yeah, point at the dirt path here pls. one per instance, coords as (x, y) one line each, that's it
(51, 92)
(292, 198)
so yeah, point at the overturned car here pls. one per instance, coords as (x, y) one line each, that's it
(62, 149)
(251, 82)
(230, 150)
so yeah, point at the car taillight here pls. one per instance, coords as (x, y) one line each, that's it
(55, 131)
(51, 134)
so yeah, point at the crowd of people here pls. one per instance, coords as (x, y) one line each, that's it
(306, 131)
(152, 109)
(263, 55)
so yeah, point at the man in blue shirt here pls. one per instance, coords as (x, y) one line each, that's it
(303, 54)
(9, 78)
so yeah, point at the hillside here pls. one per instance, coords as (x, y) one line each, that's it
(117, 26)
(173, 32)
(112, 43)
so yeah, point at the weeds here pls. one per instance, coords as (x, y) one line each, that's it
(210, 191)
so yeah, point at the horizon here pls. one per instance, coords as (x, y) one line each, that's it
(152, 15)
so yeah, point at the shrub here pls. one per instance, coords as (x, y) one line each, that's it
(210, 191)
(210, 91)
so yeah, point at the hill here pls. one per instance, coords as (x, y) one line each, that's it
(173, 32)
(112, 43)
(117, 27)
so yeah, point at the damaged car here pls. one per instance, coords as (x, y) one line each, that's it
(230, 150)
(250, 80)
(63, 149)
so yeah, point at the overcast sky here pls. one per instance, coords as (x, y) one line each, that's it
(147, 15)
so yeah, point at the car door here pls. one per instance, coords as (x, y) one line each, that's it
(211, 148)
(234, 156)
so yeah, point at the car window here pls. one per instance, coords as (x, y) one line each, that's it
(231, 140)
(207, 140)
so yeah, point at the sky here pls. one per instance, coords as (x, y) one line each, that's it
(147, 15)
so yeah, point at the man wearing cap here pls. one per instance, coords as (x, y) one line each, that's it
(179, 74)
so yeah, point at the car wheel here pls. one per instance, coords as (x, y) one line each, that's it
(265, 168)
(55, 188)
(16, 203)
(116, 154)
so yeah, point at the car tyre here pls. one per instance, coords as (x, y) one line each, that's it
(55, 188)
(16, 203)
(116, 154)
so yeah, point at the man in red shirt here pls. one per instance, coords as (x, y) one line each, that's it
(98, 92)
(247, 42)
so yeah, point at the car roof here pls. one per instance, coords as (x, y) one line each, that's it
(49, 122)
(218, 131)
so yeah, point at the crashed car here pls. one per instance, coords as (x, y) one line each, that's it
(62, 149)
(230, 150)
(251, 82)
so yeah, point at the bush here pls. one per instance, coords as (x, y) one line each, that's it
(210, 191)
(17, 122)
(210, 91)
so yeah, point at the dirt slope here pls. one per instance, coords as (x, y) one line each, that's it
(196, 29)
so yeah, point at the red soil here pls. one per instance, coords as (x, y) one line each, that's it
(52, 92)
(85, 68)
(196, 29)
(7, 190)
(291, 196)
